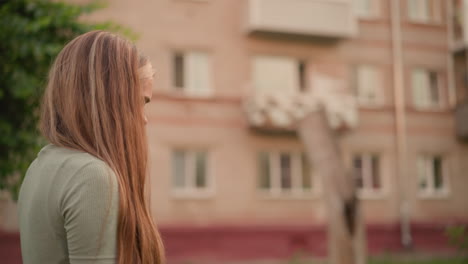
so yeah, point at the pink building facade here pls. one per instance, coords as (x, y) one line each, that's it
(223, 190)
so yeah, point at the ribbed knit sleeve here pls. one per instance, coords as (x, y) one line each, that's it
(89, 207)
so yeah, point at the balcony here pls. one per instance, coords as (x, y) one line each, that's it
(333, 19)
(460, 24)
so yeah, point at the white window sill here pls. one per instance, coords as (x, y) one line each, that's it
(437, 108)
(425, 22)
(176, 92)
(441, 195)
(371, 105)
(193, 194)
(201, 1)
(285, 195)
(369, 17)
(371, 195)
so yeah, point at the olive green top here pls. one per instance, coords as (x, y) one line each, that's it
(68, 208)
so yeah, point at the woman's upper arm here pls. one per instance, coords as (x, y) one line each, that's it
(89, 209)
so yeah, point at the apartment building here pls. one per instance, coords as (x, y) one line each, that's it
(226, 189)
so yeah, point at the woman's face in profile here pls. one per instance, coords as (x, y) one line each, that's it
(147, 90)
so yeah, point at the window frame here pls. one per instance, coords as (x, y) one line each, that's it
(367, 192)
(431, 106)
(190, 190)
(301, 69)
(379, 89)
(375, 10)
(432, 17)
(430, 192)
(187, 89)
(297, 190)
(195, 1)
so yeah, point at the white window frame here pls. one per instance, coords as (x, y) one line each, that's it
(192, 0)
(367, 191)
(374, 72)
(190, 190)
(421, 99)
(294, 84)
(424, 170)
(190, 76)
(372, 11)
(297, 191)
(425, 17)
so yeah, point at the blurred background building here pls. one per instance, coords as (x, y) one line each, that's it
(225, 190)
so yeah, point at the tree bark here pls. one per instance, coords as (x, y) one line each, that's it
(346, 234)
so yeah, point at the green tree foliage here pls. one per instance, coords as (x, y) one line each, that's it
(32, 33)
(458, 238)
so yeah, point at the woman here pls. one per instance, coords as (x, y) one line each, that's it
(84, 199)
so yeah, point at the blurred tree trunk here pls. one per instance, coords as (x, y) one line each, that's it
(346, 234)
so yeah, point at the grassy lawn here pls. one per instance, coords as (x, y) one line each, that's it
(406, 259)
(427, 261)
(439, 261)
(395, 260)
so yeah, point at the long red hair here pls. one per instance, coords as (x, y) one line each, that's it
(93, 103)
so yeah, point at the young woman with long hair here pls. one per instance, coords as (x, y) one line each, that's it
(84, 198)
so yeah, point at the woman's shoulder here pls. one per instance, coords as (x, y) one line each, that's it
(71, 167)
(78, 175)
(68, 178)
(69, 159)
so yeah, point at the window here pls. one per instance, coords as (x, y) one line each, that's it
(457, 19)
(424, 11)
(302, 73)
(284, 172)
(193, 0)
(275, 73)
(367, 8)
(189, 171)
(367, 173)
(426, 89)
(432, 175)
(192, 73)
(368, 85)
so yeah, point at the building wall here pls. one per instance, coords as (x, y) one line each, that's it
(236, 220)
(218, 123)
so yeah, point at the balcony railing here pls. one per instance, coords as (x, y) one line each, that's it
(313, 18)
(460, 24)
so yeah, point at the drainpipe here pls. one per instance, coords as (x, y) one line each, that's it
(452, 99)
(400, 117)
